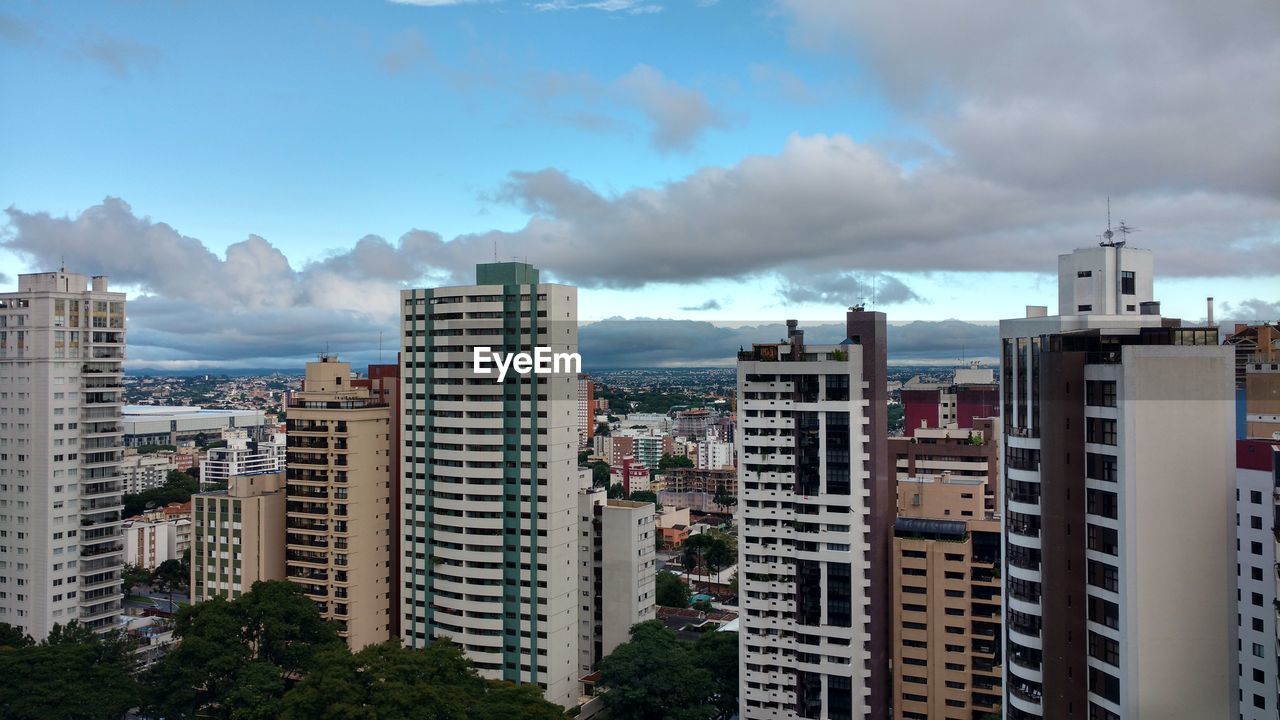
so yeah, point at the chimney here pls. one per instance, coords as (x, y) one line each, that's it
(1209, 301)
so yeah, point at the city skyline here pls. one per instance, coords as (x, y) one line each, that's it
(822, 154)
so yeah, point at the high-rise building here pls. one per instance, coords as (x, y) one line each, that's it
(946, 579)
(237, 536)
(339, 501)
(617, 560)
(971, 394)
(489, 478)
(1119, 516)
(586, 410)
(713, 454)
(816, 510)
(242, 456)
(62, 342)
(1257, 483)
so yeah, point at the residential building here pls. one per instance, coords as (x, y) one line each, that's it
(151, 541)
(175, 424)
(946, 574)
(144, 472)
(816, 519)
(1254, 344)
(339, 541)
(693, 423)
(237, 536)
(631, 475)
(586, 411)
(673, 525)
(62, 341)
(1257, 495)
(616, 557)
(644, 445)
(1119, 517)
(971, 394)
(242, 456)
(1260, 404)
(384, 385)
(686, 480)
(713, 454)
(489, 471)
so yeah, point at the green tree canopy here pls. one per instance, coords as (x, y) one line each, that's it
(648, 496)
(669, 461)
(670, 590)
(73, 674)
(178, 487)
(655, 676)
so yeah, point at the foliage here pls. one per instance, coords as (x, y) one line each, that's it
(615, 491)
(12, 638)
(391, 681)
(599, 473)
(670, 590)
(72, 674)
(236, 659)
(895, 418)
(178, 488)
(717, 652)
(648, 496)
(655, 676)
(602, 429)
(152, 448)
(669, 461)
(722, 496)
(133, 576)
(583, 456)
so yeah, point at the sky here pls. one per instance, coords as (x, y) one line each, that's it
(262, 178)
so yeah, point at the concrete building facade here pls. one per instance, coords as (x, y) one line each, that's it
(237, 536)
(816, 516)
(339, 540)
(1257, 494)
(62, 343)
(616, 559)
(1118, 423)
(144, 472)
(947, 650)
(489, 478)
(242, 456)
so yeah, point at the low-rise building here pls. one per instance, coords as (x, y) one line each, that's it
(174, 424)
(144, 472)
(632, 475)
(238, 536)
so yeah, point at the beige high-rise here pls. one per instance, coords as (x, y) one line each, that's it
(339, 501)
(946, 581)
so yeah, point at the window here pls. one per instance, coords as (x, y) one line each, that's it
(1100, 467)
(1104, 648)
(1100, 393)
(1084, 273)
(1083, 308)
(1128, 282)
(1100, 430)
(1103, 539)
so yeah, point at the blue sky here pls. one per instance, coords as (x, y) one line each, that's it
(750, 159)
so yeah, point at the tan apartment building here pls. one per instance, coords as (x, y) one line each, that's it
(946, 578)
(339, 501)
(237, 536)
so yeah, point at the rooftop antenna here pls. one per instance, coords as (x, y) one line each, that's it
(1124, 231)
(379, 347)
(1106, 236)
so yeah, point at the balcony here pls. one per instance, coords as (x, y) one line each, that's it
(110, 502)
(110, 548)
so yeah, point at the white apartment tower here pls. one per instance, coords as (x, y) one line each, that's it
(1118, 529)
(489, 479)
(242, 456)
(816, 515)
(61, 493)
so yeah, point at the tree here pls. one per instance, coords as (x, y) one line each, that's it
(583, 456)
(133, 576)
(602, 429)
(654, 676)
(615, 491)
(74, 673)
(722, 497)
(670, 590)
(178, 487)
(11, 638)
(599, 473)
(669, 461)
(717, 653)
(239, 656)
(170, 576)
(648, 496)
